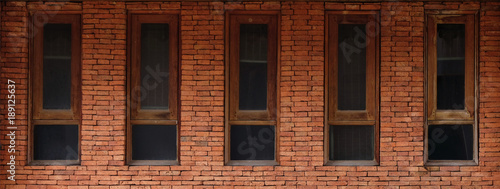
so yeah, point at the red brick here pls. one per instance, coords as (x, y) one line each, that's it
(301, 89)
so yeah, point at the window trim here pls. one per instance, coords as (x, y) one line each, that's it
(333, 116)
(38, 112)
(37, 115)
(136, 116)
(443, 117)
(234, 116)
(136, 112)
(235, 112)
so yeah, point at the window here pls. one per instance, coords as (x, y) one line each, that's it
(451, 129)
(352, 89)
(152, 126)
(251, 88)
(55, 70)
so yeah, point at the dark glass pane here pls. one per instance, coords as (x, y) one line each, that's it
(450, 142)
(57, 66)
(253, 67)
(450, 66)
(55, 142)
(154, 142)
(154, 66)
(252, 142)
(352, 67)
(351, 142)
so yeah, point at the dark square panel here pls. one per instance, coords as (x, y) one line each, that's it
(154, 142)
(450, 142)
(56, 142)
(253, 67)
(352, 142)
(450, 66)
(252, 142)
(155, 51)
(57, 66)
(352, 67)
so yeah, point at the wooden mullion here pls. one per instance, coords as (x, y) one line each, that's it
(431, 67)
(131, 110)
(173, 65)
(333, 42)
(135, 65)
(153, 122)
(353, 123)
(234, 74)
(37, 72)
(451, 122)
(256, 123)
(228, 96)
(371, 81)
(56, 122)
(76, 82)
(272, 64)
(469, 101)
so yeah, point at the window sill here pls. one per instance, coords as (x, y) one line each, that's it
(153, 162)
(252, 163)
(352, 163)
(451, 163)
(54, 162)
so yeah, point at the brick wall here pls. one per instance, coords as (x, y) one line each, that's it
(301, 96)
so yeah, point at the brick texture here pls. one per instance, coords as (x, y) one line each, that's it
(301, 99)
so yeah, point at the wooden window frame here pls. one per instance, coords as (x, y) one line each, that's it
(235, 116)
(442, 117)
(40, 116)
(334, 116)
(136, 115)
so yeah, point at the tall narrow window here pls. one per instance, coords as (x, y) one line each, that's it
(451, 131)
(56, 95)
(252, 62)
(153, 128)
(351, 122)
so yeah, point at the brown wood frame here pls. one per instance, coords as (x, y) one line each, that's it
(135, 58)
(468, 112)
(38, 112)
(334, 116)
(38, 115)
(136, 115)
(235, 112)
(468, 115)
(234, 116)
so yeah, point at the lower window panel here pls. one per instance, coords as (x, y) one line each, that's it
(55, 142)
(352, 142)
(154, 142)
(252, 142)
(450, 142)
